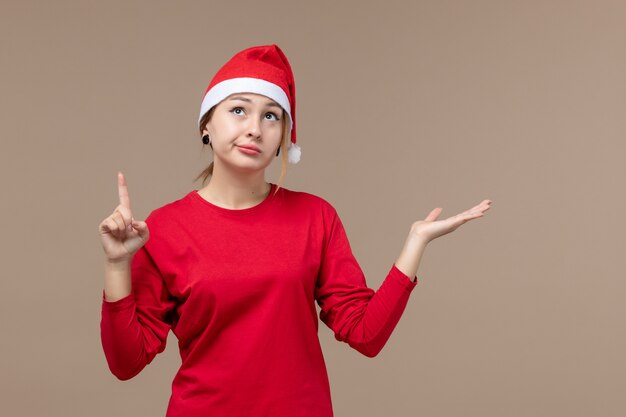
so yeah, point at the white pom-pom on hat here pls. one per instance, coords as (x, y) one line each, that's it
(293, 153)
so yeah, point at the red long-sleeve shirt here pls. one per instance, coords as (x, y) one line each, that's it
(237, 288)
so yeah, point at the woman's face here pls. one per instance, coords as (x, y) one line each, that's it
(242, 121)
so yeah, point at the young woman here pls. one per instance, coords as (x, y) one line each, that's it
(234, 269)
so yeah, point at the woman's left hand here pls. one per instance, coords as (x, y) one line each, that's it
(430, 229)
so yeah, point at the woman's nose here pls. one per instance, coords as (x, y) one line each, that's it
(254, 127)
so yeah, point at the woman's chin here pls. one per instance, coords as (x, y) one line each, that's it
(249, 166)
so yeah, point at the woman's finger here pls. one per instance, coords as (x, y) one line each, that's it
(433, 214)
(477, 207)
(125, 213)
(480, 208)
(117, 216)
(121, 226)
(123, 190)
(103, 227)
(142, 229)
(112, 227)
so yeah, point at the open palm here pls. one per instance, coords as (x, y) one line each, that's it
(430, 228)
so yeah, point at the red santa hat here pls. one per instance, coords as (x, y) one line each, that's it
(262, 70)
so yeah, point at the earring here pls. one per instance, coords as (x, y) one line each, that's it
(278, 151)
(206, 140)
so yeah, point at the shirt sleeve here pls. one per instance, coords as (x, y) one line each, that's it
(358, 315)
(135, 328)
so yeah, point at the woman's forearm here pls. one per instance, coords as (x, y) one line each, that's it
(409, 260)
(117, 282)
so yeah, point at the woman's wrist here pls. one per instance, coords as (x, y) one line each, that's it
(117, 279)
(117, 264)
(409, 259)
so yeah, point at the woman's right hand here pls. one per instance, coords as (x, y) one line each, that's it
(121, 234)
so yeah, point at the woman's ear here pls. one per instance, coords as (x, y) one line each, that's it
(205, 131)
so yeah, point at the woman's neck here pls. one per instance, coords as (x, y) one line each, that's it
(235, 194)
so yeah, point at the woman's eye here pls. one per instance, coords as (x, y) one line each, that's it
(272, 115)
(237, 110)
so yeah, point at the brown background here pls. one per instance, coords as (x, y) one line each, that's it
(401, 108)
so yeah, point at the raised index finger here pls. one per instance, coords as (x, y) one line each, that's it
(123, 190)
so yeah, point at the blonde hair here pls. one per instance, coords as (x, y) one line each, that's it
(208, 171)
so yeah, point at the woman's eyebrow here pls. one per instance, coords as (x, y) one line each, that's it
(268, 104)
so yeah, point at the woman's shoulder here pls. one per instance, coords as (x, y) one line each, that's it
(308, 199)
(172, 209)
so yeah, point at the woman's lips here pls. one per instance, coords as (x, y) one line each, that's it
(249, 151)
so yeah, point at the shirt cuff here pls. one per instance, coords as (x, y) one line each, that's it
(403, 278)
(121, 304)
